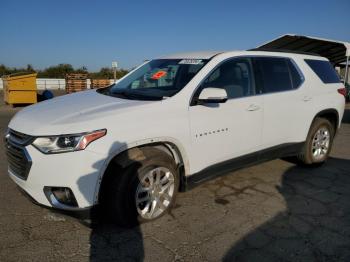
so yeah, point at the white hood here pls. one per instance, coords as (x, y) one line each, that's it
(70, 113)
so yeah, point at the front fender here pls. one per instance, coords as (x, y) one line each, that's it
(119, 148)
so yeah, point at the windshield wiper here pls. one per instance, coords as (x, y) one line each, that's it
(135, 96)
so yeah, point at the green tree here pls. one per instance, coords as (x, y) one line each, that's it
(82, 69)
(58, 71)
(30, 68)
(4, 70)
(107, 73)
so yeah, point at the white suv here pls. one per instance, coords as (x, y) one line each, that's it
(171, 124)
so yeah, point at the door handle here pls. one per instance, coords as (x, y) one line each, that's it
(253, 107)
(307, 98)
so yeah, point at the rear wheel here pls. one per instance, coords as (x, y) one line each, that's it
(143, 190)
(318, 143)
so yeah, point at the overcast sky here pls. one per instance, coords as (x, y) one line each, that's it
(95, 33)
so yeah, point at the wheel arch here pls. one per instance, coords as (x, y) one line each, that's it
(169, 146)
(332, 115)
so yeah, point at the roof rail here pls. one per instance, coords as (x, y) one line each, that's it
(265, 49)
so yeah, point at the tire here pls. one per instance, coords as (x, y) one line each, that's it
(314, 152)
(126, 184)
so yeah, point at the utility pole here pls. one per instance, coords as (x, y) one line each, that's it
(114, 67)
(346, 71)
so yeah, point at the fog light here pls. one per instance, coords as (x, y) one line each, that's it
(64, 195)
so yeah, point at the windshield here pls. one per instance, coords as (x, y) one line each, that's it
(156, 79)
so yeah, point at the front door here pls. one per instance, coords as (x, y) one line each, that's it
(224, 131)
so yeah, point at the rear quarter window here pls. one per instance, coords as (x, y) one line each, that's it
(324, 70)
(297, 77)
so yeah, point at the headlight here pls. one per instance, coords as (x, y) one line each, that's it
(67, 143)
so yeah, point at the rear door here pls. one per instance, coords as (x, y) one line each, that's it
(279, 81)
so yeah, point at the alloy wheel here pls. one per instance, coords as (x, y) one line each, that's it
(320, 143)
(155, 192)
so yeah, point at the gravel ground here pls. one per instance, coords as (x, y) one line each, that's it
(275, 211)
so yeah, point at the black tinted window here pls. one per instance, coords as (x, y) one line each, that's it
(235, 76)
(324, 70)
(274, 74)
(297, 79)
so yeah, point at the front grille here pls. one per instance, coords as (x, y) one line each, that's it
(19, 138)
(19, 161)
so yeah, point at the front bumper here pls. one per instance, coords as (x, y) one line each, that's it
(79, 171)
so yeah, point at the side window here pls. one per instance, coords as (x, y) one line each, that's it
(274, 74)
(324, 70)
(235, 76)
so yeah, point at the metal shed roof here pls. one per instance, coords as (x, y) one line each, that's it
(336, 51)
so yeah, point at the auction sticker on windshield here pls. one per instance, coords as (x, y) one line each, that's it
(158, 75)
(191, 62)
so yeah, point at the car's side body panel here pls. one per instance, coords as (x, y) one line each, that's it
(224, 131)
(222, 168)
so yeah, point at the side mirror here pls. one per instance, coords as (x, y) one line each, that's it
(212, 95)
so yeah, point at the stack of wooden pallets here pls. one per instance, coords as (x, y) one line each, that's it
(100, 83)
(76, 82)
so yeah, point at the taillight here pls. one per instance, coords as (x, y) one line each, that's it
(342, 91)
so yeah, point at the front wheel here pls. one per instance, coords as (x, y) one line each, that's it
(155, 192)
(143, 190)
(318, 143)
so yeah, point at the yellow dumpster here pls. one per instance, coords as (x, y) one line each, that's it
(20, 89)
